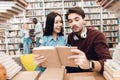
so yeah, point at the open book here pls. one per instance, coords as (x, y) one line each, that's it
(56, 56)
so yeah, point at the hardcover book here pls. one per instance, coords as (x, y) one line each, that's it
(56, 56)
(50, 53)
(63, 53)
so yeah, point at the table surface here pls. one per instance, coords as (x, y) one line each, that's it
(95, 75)
(33, 75)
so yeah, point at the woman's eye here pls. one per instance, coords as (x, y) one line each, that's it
(61, 21)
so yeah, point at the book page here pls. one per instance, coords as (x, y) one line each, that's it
(50, 53)
(64, 52)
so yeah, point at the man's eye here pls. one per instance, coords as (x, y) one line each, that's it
(70, 21)
(77, 19)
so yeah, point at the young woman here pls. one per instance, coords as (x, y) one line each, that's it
(53, 36)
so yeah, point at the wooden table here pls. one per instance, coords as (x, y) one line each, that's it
(27, 75)
(35, 75)
(85, 76)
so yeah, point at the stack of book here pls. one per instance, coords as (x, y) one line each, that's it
(12, 68)
(112, 67)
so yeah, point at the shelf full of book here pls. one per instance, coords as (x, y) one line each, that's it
(2, 41)
(103, 20)
(9, 38)
(15, 45)
(111, 28)
(13, 40)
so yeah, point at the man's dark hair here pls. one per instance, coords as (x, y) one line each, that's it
(35, 20)
(77, 10)
(49, 26)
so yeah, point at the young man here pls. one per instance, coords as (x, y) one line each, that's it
(92, 48)
(38, 31)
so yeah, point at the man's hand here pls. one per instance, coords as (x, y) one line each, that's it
(80, 59)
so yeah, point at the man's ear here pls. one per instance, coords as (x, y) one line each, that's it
(84, 21)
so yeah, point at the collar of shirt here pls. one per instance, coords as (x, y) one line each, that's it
(50, 38)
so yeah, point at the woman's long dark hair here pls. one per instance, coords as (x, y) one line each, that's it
(49, 26)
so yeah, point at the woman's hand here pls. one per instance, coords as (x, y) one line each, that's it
(80, 59)
(39, 59)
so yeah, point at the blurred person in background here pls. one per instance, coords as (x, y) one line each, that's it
(26, 39)
(38, 31)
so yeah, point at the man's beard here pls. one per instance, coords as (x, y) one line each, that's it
(77, 32)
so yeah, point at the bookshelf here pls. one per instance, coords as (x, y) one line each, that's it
(114, 30)
(2, 42)
(93, 14)
(9, 38)
(96, 18)
(103, 20)
(13, 33)
(13, 39)
(111, 28)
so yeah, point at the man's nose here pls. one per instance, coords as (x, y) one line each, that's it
(74, 23)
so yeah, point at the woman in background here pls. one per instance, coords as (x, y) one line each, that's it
(53, 36)
(26, 39)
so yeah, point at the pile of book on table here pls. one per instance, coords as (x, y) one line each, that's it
(112, 66)
(12, 68)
